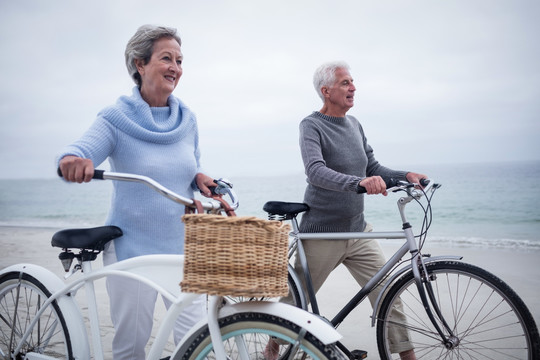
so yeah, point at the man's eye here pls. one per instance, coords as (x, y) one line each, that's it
(179, 62)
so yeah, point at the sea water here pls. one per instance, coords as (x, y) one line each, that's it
(489, 205)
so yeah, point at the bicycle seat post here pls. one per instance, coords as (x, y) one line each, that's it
(89, 289)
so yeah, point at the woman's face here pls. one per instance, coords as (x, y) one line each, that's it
(160, 76)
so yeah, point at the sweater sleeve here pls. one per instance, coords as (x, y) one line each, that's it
(96, 144)
(317, 172)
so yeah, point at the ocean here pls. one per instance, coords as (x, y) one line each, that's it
(481, 205)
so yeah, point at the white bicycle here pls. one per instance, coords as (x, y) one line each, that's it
(41, 319)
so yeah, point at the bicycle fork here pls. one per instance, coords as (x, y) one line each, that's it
(425, 289)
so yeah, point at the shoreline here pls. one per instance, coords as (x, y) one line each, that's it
(517, 267)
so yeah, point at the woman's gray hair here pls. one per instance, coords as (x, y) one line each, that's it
(141, 46)
(325, 75)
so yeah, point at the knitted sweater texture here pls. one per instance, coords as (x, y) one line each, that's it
(336, 158)
(161, 143)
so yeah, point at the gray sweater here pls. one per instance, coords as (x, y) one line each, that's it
(336, 158)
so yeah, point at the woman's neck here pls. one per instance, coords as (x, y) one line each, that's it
(154, 100)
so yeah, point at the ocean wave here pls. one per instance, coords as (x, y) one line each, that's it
(480, 242)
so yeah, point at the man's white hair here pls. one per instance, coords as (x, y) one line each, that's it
(325, 75)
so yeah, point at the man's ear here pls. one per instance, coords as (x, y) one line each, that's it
(324, 91)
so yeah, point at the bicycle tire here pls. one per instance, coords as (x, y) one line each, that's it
(50, 335)
(489, 319)
(254, 330)
(294, 295)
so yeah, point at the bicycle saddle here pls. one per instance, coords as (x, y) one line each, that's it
(286, 210)
(92, 238)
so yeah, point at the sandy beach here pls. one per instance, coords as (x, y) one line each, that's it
(519, 269)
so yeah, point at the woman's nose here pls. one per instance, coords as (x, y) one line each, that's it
(176, 67)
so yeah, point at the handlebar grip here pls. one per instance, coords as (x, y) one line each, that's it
(98, 174)
(424, 182)
(389, 183)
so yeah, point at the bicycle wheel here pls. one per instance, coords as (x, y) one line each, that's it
(19, 303)
(247, 335)
(487, 318)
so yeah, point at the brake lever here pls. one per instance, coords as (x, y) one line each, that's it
(400, 185)
(221, 188)
(225, 187)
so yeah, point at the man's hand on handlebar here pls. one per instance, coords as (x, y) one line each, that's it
(416, 178)
(76, 169)
(374, 185)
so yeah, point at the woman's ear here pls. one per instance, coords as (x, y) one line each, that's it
(139, 64)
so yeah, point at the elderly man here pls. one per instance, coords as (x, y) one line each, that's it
(338, 161)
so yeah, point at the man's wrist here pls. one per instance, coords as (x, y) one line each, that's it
(360, 188)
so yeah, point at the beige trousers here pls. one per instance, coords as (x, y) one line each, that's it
(363, 258)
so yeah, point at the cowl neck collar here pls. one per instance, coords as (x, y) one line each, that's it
(133, 115)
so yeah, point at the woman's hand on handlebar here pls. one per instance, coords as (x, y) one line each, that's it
(203, 183)
(76, 169)
(374, 185)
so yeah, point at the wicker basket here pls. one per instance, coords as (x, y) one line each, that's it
(235, 256)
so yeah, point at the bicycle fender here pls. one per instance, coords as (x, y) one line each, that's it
(66, 303)
(319, 327)
(314, 324)
(296, 280)
(403, 270)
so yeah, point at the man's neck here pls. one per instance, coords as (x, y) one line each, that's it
(333, 111)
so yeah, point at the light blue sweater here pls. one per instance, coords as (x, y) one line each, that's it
(161, 143)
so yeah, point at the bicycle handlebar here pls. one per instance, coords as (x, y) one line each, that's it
(393, 183)
(223, 187)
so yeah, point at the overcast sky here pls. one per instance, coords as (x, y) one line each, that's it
(437, 81)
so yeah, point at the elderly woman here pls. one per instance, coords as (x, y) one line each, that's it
(150, 133)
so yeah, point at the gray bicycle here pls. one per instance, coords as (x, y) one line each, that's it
(452, 310)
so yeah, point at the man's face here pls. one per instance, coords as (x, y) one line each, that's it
(341, 93)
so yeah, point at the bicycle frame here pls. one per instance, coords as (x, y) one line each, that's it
(410, 245)
(163, 273)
